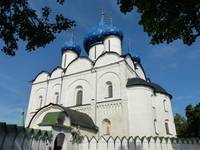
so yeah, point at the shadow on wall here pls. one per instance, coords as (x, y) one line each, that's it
(13, 137)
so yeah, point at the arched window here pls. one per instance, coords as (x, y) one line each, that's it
(167, 126)
(156, 127)
(165, 105)
(106, 125)
(109, 89)
(79, 95)
(40, 101)
(56, 95)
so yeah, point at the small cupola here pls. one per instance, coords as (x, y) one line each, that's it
(94, 36)
(112, 38)
(70, 51)
(137, 59)
(71, 46)
(103, 37)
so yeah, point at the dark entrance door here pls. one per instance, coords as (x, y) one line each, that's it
(58, 143)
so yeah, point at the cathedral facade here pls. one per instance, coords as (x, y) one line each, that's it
(102, 94)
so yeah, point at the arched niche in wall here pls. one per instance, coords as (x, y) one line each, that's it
(78, 95)
(70, 97)
(56, 94)
(106, 127)
(109, 89)
(108, 86)
(38, 100)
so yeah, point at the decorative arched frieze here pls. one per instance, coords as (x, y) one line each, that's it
(79, 65)
(56, 73)
(107, 58)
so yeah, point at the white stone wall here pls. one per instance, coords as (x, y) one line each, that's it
(163, 110)
(113, 43)
(140, 114)
(96, 50)
(148, 114)
(67, 57)
(137, 143)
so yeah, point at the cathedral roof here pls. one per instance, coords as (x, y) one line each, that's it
(77, 118)
(98, 33)
(138, 81)
(80, 119)
(158, 88)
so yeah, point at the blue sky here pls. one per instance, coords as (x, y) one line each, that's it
(174, 66)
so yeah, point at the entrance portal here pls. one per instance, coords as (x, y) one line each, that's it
(58, 143)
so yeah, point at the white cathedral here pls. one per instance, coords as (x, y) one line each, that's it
(102, 94)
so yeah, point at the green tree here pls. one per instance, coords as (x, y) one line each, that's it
(167, 20)
(18, 21)
(189, 126)
(181, 125)
(193, 120)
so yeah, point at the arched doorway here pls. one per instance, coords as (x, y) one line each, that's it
(59, 141)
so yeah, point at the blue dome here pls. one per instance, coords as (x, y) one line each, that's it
(137, 58)
(98, 33)
(71, 45)
(112, 30)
